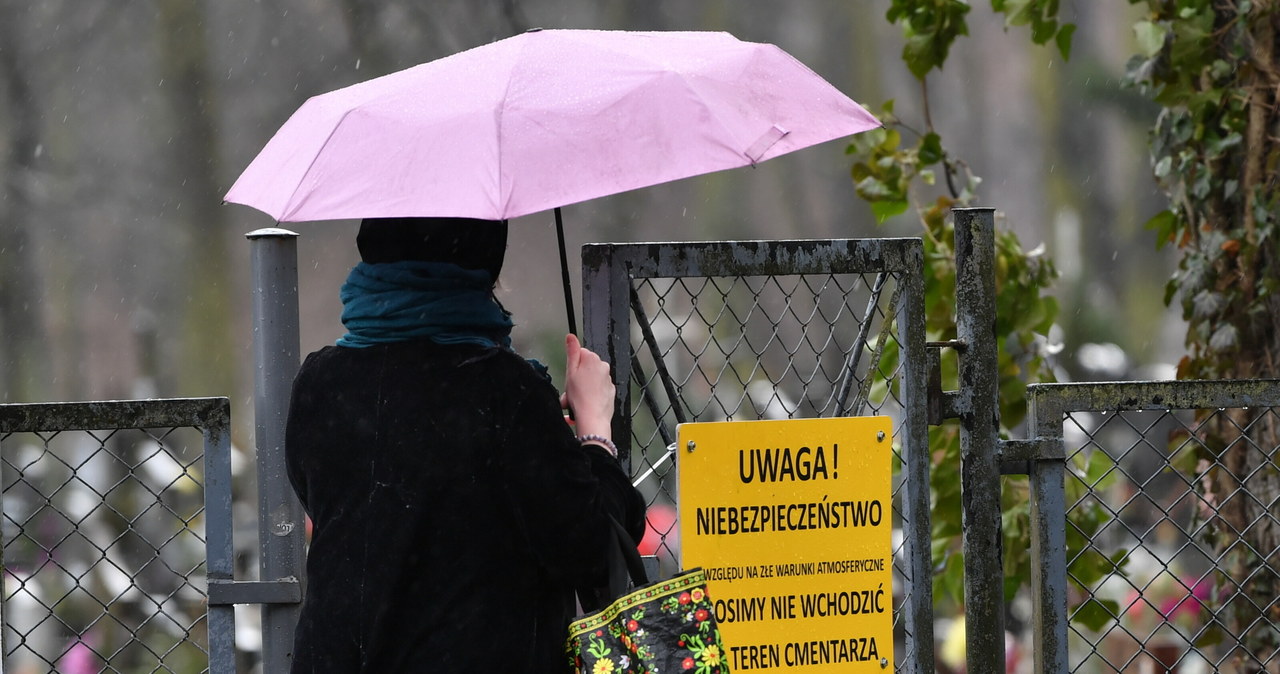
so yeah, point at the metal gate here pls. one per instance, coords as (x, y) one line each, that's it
(1158, 545)
(117, 522)
(771, 330)
(117, 519)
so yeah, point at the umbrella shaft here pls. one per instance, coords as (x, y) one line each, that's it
(564, 273)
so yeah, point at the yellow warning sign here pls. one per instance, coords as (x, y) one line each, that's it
(792, 522)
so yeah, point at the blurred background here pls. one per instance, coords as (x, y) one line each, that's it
(122, 124)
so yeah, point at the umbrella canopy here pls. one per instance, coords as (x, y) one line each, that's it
(541, 120)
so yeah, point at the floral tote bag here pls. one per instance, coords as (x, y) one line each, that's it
(666, 627)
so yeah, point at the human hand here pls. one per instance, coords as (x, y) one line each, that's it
(588, 389)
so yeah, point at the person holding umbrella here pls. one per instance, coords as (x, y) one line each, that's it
(454, 509)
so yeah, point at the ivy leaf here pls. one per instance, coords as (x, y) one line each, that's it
(1089, 567)
(1211, 636)
(883, 210)
(875, 190)
(1207, 304)
(1165, 225)
(1220, 145)
(1043, 31)
(931, 149)
(1225, 339)
(1096, 613)
(929, 30)
(922, 54)
(1063, 40)
(1163, 166)
(1018, 12)
(1150, 37)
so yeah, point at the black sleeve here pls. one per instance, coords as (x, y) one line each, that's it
(563, 493)
(301, 400)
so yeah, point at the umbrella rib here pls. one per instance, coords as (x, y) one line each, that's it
(288, 204)
(503, 194)
(711, 111)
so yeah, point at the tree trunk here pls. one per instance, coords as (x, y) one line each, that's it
(22, 354)
(207, 334)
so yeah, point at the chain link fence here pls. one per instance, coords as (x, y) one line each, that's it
(747, 348)
(104, 544)
(1172, 498)
(725, 340)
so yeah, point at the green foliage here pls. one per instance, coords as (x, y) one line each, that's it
(887, 168)
(1213, 155)
(1096, 613)
(1213, 68)
(930, 27)
(887, 174)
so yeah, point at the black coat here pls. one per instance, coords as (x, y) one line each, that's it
(453, 511)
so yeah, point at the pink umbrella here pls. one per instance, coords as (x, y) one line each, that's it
(540, 120)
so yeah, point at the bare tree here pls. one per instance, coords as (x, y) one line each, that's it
(188, 93)
(22, 352)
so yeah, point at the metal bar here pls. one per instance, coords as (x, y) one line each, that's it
(917, 610)
(942, 404)
(637, 373)
(218, 541)
(646, 333)
(1017, 457)
(1047, 478)
(606, 325)
(281, 523)
(101, 415)
(855, 354)
(865, 390)
(759, 258)
(666, 456)
(1163, 395)
(979, 432)
(230, 592)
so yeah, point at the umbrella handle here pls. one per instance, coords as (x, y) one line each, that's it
(564, 274)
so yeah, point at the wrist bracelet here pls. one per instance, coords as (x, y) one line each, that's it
(608, 444)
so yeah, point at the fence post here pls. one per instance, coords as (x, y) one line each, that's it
(281, 523)
(1048, 537)
(219, 547)
(918, 612)
(606, 329)
(979, 437)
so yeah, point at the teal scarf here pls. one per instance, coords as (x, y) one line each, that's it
(442, 302)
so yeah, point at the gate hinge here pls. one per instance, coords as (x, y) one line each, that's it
(225, 592)
(1016, 456)
(942, 404)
